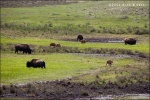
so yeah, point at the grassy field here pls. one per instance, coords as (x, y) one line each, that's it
(86, 17)
(58, 66)
(83, 65)
(142, 46)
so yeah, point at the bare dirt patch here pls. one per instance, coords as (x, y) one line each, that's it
(103, 40)
(66, 89)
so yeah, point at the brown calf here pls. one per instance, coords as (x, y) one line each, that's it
(83, 41)
(109, 62)
(52, 45)
(58, 45)
(55, 45)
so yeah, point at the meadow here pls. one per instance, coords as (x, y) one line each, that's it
(79, 64)
(83, 17)
(58, 66)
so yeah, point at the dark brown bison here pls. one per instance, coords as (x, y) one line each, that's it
(52, 45)
(83, 41)
(109, 62)
(79, 37)
(22, 47)
(36, 63)
(130, 41)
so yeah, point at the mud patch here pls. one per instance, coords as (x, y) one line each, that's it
(66, 89)
(103, 40)
(125, 96)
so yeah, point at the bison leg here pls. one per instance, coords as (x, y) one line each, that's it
(44, 64)
(24, 52)
(16, 51)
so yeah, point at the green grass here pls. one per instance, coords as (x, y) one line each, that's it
(55, 22)
(77, 17)
(141, 47)
(58, 66)
(123, 72)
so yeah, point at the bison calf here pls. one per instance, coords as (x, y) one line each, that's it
(109, 62)
(83, 41)
(52, 45)
(36, 63)
(55, 45)
(58, 45)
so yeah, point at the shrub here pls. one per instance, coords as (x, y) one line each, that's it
(93, 30)
(129, 30)
(124, 17)
(121, 31)
(12, 89)
(143, 55)
(85, 94)
(1, 91)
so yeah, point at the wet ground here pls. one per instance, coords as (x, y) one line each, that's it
(103, 40)
(69, 90)
(125, 96)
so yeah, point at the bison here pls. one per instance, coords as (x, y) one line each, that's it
(55, 45)
(58, 45)
(109, 62)
(79, 37)
(83, 41)
(22, 47)
(36, 63)
(130, 41)
(52, 45)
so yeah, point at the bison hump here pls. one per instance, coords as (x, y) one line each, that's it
(38, 61)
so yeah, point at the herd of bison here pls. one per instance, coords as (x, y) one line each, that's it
(37, 63)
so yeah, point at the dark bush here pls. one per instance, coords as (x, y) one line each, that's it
(85, 94)
(4, 87)
(93, 30)
(1, 91)
(12, 89)
(143, 55)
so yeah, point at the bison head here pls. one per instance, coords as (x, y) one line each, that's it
(29, 51)
(28, 64)
(79, 37)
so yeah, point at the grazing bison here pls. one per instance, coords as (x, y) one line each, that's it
(22, 47)
(130, 41)
(52, 45)
(109, 62)
(79, 38)
(83, 41)
(36, 63)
